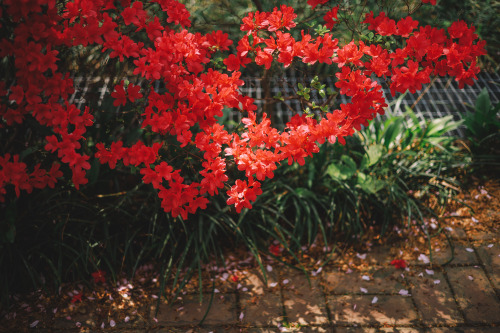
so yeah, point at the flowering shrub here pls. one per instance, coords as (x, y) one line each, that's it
(196, 91)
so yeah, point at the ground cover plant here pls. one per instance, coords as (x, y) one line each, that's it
(384, 175)
(483, 131)
(171, 138)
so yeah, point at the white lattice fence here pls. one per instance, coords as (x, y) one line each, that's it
(440, 98)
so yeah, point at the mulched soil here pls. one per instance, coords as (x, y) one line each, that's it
(101, 304)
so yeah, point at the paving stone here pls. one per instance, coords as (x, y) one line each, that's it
(23, 320)
(461, 255)
(305, 309)
(293, 279)
(291, 329)
(189, 311)
(204, 329)
(490, 257)
(491, 215)
(483, 235)
(463, 330)
(380, 255)
(30, 330)
(457, 233)
(358, 309)
(314, 330)
(377, 330)
(262, 310)
(434, 301)
(260, 330)
(381, 280)
(139, 319)
(255, 283)
(474, 294)
(400, 329)
(490, 254)
(112, 330)
(84, 320)
(304, 302)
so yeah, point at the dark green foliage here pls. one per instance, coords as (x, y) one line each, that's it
(383, 177)
(483, 131)
(484, 122)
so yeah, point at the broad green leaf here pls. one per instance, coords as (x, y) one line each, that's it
(373, 155)
(369, 183)
(28, 151)
(438, 127)
(393, 130)
(414, 123)
(343, 170)
(483, 103)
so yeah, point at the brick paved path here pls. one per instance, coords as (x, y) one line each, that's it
(461, 296)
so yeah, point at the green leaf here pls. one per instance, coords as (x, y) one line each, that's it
(27, 152)
(311, 175)
(439, 127)
(343, 170)
(279, 96)
(7, 226)
(93, 173)
(483, 103)
(372, 155)
(369, 183)
(393, 130)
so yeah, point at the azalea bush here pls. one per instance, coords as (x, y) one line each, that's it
(181, 121)
(161, 124)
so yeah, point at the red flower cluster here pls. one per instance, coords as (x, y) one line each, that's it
(15, 173)
(76, 298)
(99, 276)
(275, 250)
(428, 51)
(399, 263)
(195, 93)
(331, 17)
(314, 3)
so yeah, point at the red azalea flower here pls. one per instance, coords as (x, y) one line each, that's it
(235, 278)
(432, 2)
(99, 276)
(77, 298)
(399, 263)
(275, 250)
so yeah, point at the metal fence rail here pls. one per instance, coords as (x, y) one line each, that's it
(440, 98)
